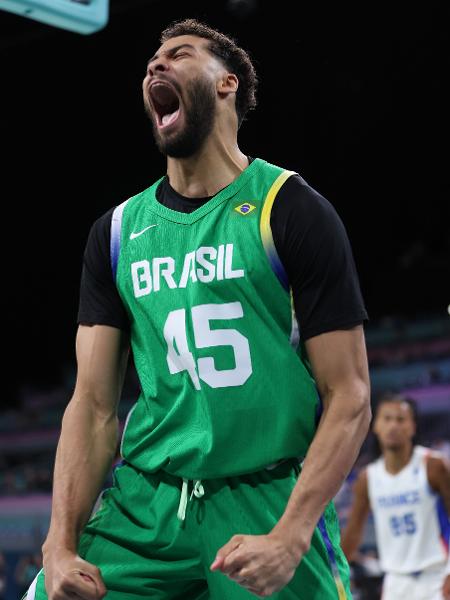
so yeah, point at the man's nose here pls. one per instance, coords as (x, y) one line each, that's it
(158, 65)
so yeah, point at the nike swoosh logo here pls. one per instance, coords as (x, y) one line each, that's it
(138, 233)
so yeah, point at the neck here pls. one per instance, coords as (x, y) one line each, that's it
(218, 163)
(396, 459)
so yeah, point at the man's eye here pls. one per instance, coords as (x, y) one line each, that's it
(181, 54)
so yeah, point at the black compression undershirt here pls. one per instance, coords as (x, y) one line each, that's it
(311, 242)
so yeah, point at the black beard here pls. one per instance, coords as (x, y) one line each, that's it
(199, 117)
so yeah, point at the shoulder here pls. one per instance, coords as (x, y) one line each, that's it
(437, 466)
(296, 195)
(103, 226)
(296, 198)
(296, 190)
(300, 204)
(429, 455)
(376, 466)
(100, 231)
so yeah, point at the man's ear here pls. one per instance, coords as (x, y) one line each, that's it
(228, 84)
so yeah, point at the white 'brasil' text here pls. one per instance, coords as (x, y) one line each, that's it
(205, 265)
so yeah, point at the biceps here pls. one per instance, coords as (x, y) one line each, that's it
(102, 354)
(339, 361)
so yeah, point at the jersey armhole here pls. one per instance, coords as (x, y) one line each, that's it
(266, 230)
(116, 229)
(271, 251)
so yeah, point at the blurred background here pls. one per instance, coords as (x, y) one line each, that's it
(353, 97)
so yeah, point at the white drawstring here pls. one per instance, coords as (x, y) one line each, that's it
(198, 491)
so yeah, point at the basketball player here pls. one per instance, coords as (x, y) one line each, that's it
(230, 457)
(408, 491)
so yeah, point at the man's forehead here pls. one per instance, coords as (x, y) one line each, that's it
(395, 408)
(181, 40)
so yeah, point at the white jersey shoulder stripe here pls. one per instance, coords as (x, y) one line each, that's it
(116, 228)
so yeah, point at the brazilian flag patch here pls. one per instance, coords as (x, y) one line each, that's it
(245, 208)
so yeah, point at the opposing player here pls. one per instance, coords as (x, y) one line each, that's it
(231, 456)
(408, 490)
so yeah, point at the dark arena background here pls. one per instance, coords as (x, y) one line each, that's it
(352, 96)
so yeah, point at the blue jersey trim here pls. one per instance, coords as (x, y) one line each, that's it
(444, 522)
(332, 559)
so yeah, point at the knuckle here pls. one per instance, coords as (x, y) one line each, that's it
(228, 567)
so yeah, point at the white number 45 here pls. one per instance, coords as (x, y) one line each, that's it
(179, 358)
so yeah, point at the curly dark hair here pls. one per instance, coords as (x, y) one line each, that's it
(232, 56)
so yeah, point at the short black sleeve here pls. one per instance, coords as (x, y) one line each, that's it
(310, 240)
(314, 248)
(100, 303)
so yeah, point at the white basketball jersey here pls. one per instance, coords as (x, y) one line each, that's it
(411, 524)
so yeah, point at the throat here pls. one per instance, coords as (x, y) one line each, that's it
(203, 175)
(396, 461)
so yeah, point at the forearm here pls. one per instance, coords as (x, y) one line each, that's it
(86, 449)
(343, 428)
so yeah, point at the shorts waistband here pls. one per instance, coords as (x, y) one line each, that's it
(198, 491)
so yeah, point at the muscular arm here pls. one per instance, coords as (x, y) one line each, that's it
(265, 564)
(353, 532)
(87, 444)
(339, 362)
(438, 472)
(315, 251)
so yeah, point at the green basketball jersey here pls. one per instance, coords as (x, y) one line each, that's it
(225, 389)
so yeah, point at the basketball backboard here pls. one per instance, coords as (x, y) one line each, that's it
(80, 16)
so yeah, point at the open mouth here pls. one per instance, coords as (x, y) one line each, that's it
(166, 103)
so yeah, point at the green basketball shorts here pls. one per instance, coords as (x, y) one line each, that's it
(155, 536)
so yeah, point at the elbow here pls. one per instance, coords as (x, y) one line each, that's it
(92, 410)
(350, 406)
